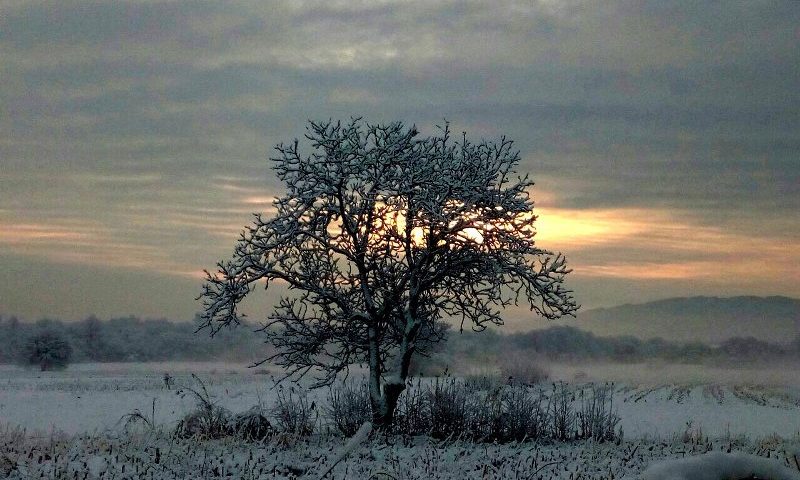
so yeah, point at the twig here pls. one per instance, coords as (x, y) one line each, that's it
(374, 475)
(543, 467)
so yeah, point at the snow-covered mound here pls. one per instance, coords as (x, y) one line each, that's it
(719, 466)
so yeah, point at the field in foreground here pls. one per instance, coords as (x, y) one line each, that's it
(156, 455)
(68, 425)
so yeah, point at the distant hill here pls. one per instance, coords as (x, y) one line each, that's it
(706, 319)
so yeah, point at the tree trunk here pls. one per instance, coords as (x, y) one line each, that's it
(377, 399)
(384, 394)
(383, 409)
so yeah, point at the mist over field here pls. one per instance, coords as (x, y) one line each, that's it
(704, 319)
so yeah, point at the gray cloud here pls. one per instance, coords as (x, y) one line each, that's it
(151, 121)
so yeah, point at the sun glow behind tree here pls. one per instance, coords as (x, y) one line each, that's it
(476, 227)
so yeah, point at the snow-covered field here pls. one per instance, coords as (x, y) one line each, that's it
(72, 420)
(159, 456)
(93, 397)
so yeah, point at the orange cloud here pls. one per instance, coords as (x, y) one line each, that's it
(580, 228)
(88, 243)
(31, 233)
(634, 243)
(258, 200)
(660, 244)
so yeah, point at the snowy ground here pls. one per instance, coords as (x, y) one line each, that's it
(93, 397)
(63, 424)
(158, 456)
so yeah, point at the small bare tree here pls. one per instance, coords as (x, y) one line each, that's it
(380, 237)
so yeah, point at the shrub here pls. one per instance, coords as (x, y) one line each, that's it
(508, 413)
(486, 415)
(561, 412)
(49, 350)
(447, 407)
(596, 418)
(208, 420)
(205, 423)
(251, 425)
(523, 414)
(349, 406)
(293, 413)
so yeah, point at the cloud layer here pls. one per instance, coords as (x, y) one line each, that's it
(663, 136)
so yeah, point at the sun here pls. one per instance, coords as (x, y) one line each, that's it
(481, 227)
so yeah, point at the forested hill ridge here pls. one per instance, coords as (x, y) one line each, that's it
(705, 319)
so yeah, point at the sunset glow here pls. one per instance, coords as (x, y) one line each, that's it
(580, 228)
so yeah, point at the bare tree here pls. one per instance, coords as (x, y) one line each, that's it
(380, 237)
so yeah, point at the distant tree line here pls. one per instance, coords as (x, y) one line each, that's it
(134, 339)
(123, 340)
(570, 343)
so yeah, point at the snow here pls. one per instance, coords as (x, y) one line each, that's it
(719, 466)
(659, 415)
(98, 395)
(159, 456)
(361, 436)
(71, 420)
(94, 397)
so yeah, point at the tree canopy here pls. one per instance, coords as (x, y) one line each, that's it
(381, 236)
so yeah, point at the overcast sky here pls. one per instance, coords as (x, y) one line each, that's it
(663, 136)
